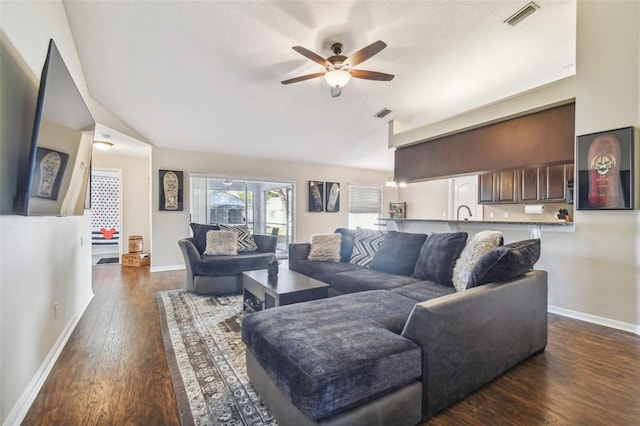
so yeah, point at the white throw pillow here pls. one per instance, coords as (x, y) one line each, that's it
(325, 247)
(479, 245)
(221, 243)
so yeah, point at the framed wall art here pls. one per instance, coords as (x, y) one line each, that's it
(332, 202)
(316, 196)
(605, 170)
(48, 172)
(171, 190)
(398, 210)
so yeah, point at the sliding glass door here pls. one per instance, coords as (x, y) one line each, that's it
(265, 207)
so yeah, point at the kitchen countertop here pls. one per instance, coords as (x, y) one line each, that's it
(491, 222)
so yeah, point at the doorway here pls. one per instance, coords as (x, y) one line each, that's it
(106, 216)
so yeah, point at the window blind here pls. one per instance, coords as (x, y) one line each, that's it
(365, 199)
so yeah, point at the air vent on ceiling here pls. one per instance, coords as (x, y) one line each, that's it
(523, 13)
(382, 113)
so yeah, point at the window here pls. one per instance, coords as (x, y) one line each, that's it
(265, 207)
(365, 206)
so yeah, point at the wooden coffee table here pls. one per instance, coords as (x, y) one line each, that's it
(262, 292)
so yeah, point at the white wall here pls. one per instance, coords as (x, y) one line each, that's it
(43, 260)
(136, 194)
(593, 272)
(168, 227)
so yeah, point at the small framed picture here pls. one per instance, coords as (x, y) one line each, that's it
(316, 196)
(332, 204)
(171, 190)
(48, 173)
(604, 167)
(398, 210)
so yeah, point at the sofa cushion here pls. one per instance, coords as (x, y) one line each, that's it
(366, 244)
(232, 265)
(200, 235)
(346, 244)
(325, 247)
(246, 243)
(324, 271)
(354, 354)
(398, 253)
(479, 245)
(505, 262)
(438, 255)
(367, 279)
(422, 291)
(221, 243)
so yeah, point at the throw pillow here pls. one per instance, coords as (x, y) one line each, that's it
(221, 243)
(325, 247)
(398, 253)
(505, 262)
(246, 243)
(438, 255)
(200, 235)
(479, 245)
(365, 245)
(346, 245)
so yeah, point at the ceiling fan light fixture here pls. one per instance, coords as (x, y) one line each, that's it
(337, 78)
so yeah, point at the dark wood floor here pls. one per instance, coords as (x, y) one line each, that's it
(113, 370)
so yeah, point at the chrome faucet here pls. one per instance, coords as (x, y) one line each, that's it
(458, 211)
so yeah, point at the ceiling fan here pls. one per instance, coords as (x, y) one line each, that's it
(338, 67)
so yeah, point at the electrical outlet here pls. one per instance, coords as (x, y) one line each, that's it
(444, 214)
(506, 215)
(490, 215)
(56, 307)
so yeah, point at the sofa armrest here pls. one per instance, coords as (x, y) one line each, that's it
(471, 337)
(298, 252)
(266, 243)
(191, 257)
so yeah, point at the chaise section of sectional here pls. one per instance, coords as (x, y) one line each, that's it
(332, 355)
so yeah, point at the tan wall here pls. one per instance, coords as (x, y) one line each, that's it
(136, 194)
(594, 270)
(169, 227)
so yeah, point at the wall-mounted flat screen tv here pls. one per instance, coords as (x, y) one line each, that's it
(59, 163)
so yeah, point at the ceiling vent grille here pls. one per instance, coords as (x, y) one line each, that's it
(382, 113)
(523, 13)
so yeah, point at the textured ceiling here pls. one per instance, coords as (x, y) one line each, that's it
(205, 75)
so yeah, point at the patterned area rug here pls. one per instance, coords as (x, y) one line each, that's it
(206, 358)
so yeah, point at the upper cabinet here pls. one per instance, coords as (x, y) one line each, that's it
(547, 184)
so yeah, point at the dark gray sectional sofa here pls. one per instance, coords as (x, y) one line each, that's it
(395, 348)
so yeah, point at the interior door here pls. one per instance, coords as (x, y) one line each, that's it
(464, 192)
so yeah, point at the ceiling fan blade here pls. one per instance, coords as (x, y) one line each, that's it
(365, 53)
(371, 75)
(335, 91)
(313, 56)
(303, 78)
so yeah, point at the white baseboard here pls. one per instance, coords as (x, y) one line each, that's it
(166, 268)
(624, 326)
(19, 411)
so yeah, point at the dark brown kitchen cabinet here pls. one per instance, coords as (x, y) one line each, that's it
(499, 187)
(545, 184)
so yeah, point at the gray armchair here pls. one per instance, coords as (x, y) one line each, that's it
(218, 275)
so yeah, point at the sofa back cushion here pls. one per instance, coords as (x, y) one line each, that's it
(398, 253)
(505, 262)
(438, 255)
(325, 247)
(346, 243)
(366, 244)
(200, 235)
(479, 245)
